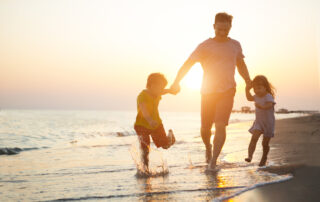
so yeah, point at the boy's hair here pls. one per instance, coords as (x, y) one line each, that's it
(223, 17)
(156, 78)
(262, 80)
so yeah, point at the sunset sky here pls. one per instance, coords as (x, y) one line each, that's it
(97, 54)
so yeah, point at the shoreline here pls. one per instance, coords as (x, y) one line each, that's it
(296, 145)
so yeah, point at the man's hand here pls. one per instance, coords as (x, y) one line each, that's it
(175, 89)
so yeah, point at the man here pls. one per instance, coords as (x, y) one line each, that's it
(218, 56)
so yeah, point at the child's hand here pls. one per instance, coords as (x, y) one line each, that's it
(152, 122)
(258, 106)
(168, 90)
(248, 86)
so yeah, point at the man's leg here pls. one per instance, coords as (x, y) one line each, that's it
(207, 115)
(218, 142)
(206, 136)
(223, 108)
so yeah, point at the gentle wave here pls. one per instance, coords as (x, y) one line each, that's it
(17, 150)
(89, 173)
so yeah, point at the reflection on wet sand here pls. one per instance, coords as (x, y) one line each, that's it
(148, 194)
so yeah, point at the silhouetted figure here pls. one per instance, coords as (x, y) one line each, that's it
(218, 57)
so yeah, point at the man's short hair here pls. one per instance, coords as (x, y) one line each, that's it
(223, 17)
(157, 79)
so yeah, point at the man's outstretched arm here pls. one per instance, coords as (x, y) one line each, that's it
(243, 71)
(175, 87)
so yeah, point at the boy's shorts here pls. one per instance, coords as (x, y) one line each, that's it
(216, 108)
(158, 135)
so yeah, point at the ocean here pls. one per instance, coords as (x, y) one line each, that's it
(56, 155)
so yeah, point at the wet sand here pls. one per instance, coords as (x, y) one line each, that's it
(297, 146)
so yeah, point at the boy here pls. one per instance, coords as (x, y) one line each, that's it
(148, 121)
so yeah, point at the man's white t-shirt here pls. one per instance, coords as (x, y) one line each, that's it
(218, 60)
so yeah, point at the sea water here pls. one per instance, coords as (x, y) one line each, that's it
(52, 155)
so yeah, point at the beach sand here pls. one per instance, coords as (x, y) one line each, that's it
(297, 146)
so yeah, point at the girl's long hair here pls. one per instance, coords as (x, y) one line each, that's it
(262, 80)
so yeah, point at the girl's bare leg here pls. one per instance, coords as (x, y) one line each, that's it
(266, 148)
(252, 146)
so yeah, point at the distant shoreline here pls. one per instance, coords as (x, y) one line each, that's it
(281, 112)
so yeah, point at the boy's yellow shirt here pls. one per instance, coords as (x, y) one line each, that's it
(152, 104)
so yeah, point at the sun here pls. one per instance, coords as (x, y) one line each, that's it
(193, 79)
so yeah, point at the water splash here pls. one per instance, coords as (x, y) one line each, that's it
(157, 165)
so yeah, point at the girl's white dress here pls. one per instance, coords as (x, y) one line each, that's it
(265, 119)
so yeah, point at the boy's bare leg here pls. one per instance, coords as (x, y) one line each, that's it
(145, 155)
(252, 146)
(206, 135)
(266, 148)
(218, 142)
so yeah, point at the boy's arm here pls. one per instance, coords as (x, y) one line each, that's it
(248, 94)
(243, 71)
(268, 105)
(168, 90)
(175, 87)
(146, 114)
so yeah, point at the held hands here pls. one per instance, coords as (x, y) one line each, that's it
(175, 88)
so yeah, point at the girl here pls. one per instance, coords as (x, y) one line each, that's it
(265, 120)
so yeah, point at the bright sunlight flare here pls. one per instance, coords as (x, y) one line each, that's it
(193, 79)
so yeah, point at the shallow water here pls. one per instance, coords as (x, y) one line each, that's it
(94, 155)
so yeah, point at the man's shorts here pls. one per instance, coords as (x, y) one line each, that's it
(216, 108)
(158, 135)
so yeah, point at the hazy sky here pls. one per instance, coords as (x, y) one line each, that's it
(97, 54)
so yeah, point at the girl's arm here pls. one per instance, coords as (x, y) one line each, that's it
(248, 94)
(268, 105)
(146, 115)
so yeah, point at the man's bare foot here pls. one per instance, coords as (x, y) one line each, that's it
(248, 159)
(263, 161)
(145, 168)
(208, 153)
(212, 165)
(212, 168)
